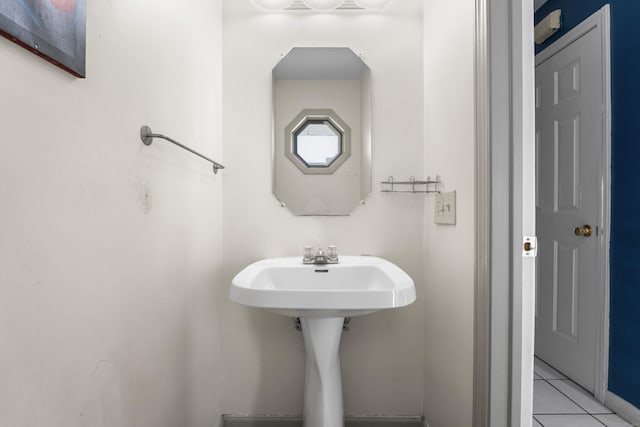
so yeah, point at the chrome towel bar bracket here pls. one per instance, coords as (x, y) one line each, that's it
(147, 138)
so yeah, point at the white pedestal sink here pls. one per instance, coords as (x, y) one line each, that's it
(322, 296)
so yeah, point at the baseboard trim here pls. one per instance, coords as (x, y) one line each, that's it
(623, 408)
(275, 421)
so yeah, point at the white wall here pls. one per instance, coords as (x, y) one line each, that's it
(448, 251)
(110, 250)
(382, 355)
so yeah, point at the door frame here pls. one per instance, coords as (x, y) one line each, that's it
(482, 208)
(600, 19)
(505, 213)
(504, 296)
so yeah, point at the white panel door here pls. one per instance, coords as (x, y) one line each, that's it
(569, 137)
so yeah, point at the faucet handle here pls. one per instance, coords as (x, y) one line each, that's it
(332, 253)
(308, 253)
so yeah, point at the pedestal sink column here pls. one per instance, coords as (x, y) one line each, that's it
(323, 385)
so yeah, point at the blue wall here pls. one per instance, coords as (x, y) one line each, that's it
(624, 350)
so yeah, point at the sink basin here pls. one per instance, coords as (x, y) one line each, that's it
(357, 285)
(322, 296)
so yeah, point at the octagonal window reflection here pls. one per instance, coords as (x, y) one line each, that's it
(318, 143)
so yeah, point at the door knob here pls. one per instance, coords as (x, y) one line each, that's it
(584, 231)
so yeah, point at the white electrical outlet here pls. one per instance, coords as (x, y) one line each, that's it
(445, 208)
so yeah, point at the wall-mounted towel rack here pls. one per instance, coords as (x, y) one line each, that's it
(147, 138)
(411, 186)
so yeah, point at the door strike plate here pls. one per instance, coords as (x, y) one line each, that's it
(529, 246)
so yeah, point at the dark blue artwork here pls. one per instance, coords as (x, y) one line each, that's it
(53, 29)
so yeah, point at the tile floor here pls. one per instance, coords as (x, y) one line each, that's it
(559, 402)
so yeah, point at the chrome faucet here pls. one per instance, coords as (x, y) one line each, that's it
(331, 257)
(320, 257)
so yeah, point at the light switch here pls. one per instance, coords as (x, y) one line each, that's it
(445, 208)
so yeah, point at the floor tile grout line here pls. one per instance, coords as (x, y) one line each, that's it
(535, 417)
(550, 367)
(539, 422)
(567, 379)
(598, 420)
(571, 400)
(586, 412)
(592, 398)
(562, 413)
(565, 395)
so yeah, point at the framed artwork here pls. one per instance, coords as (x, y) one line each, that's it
(52, 29)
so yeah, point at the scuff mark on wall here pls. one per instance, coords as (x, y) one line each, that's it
(145, 197)
(99, 365)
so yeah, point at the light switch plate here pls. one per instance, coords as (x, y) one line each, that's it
(445, 208)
